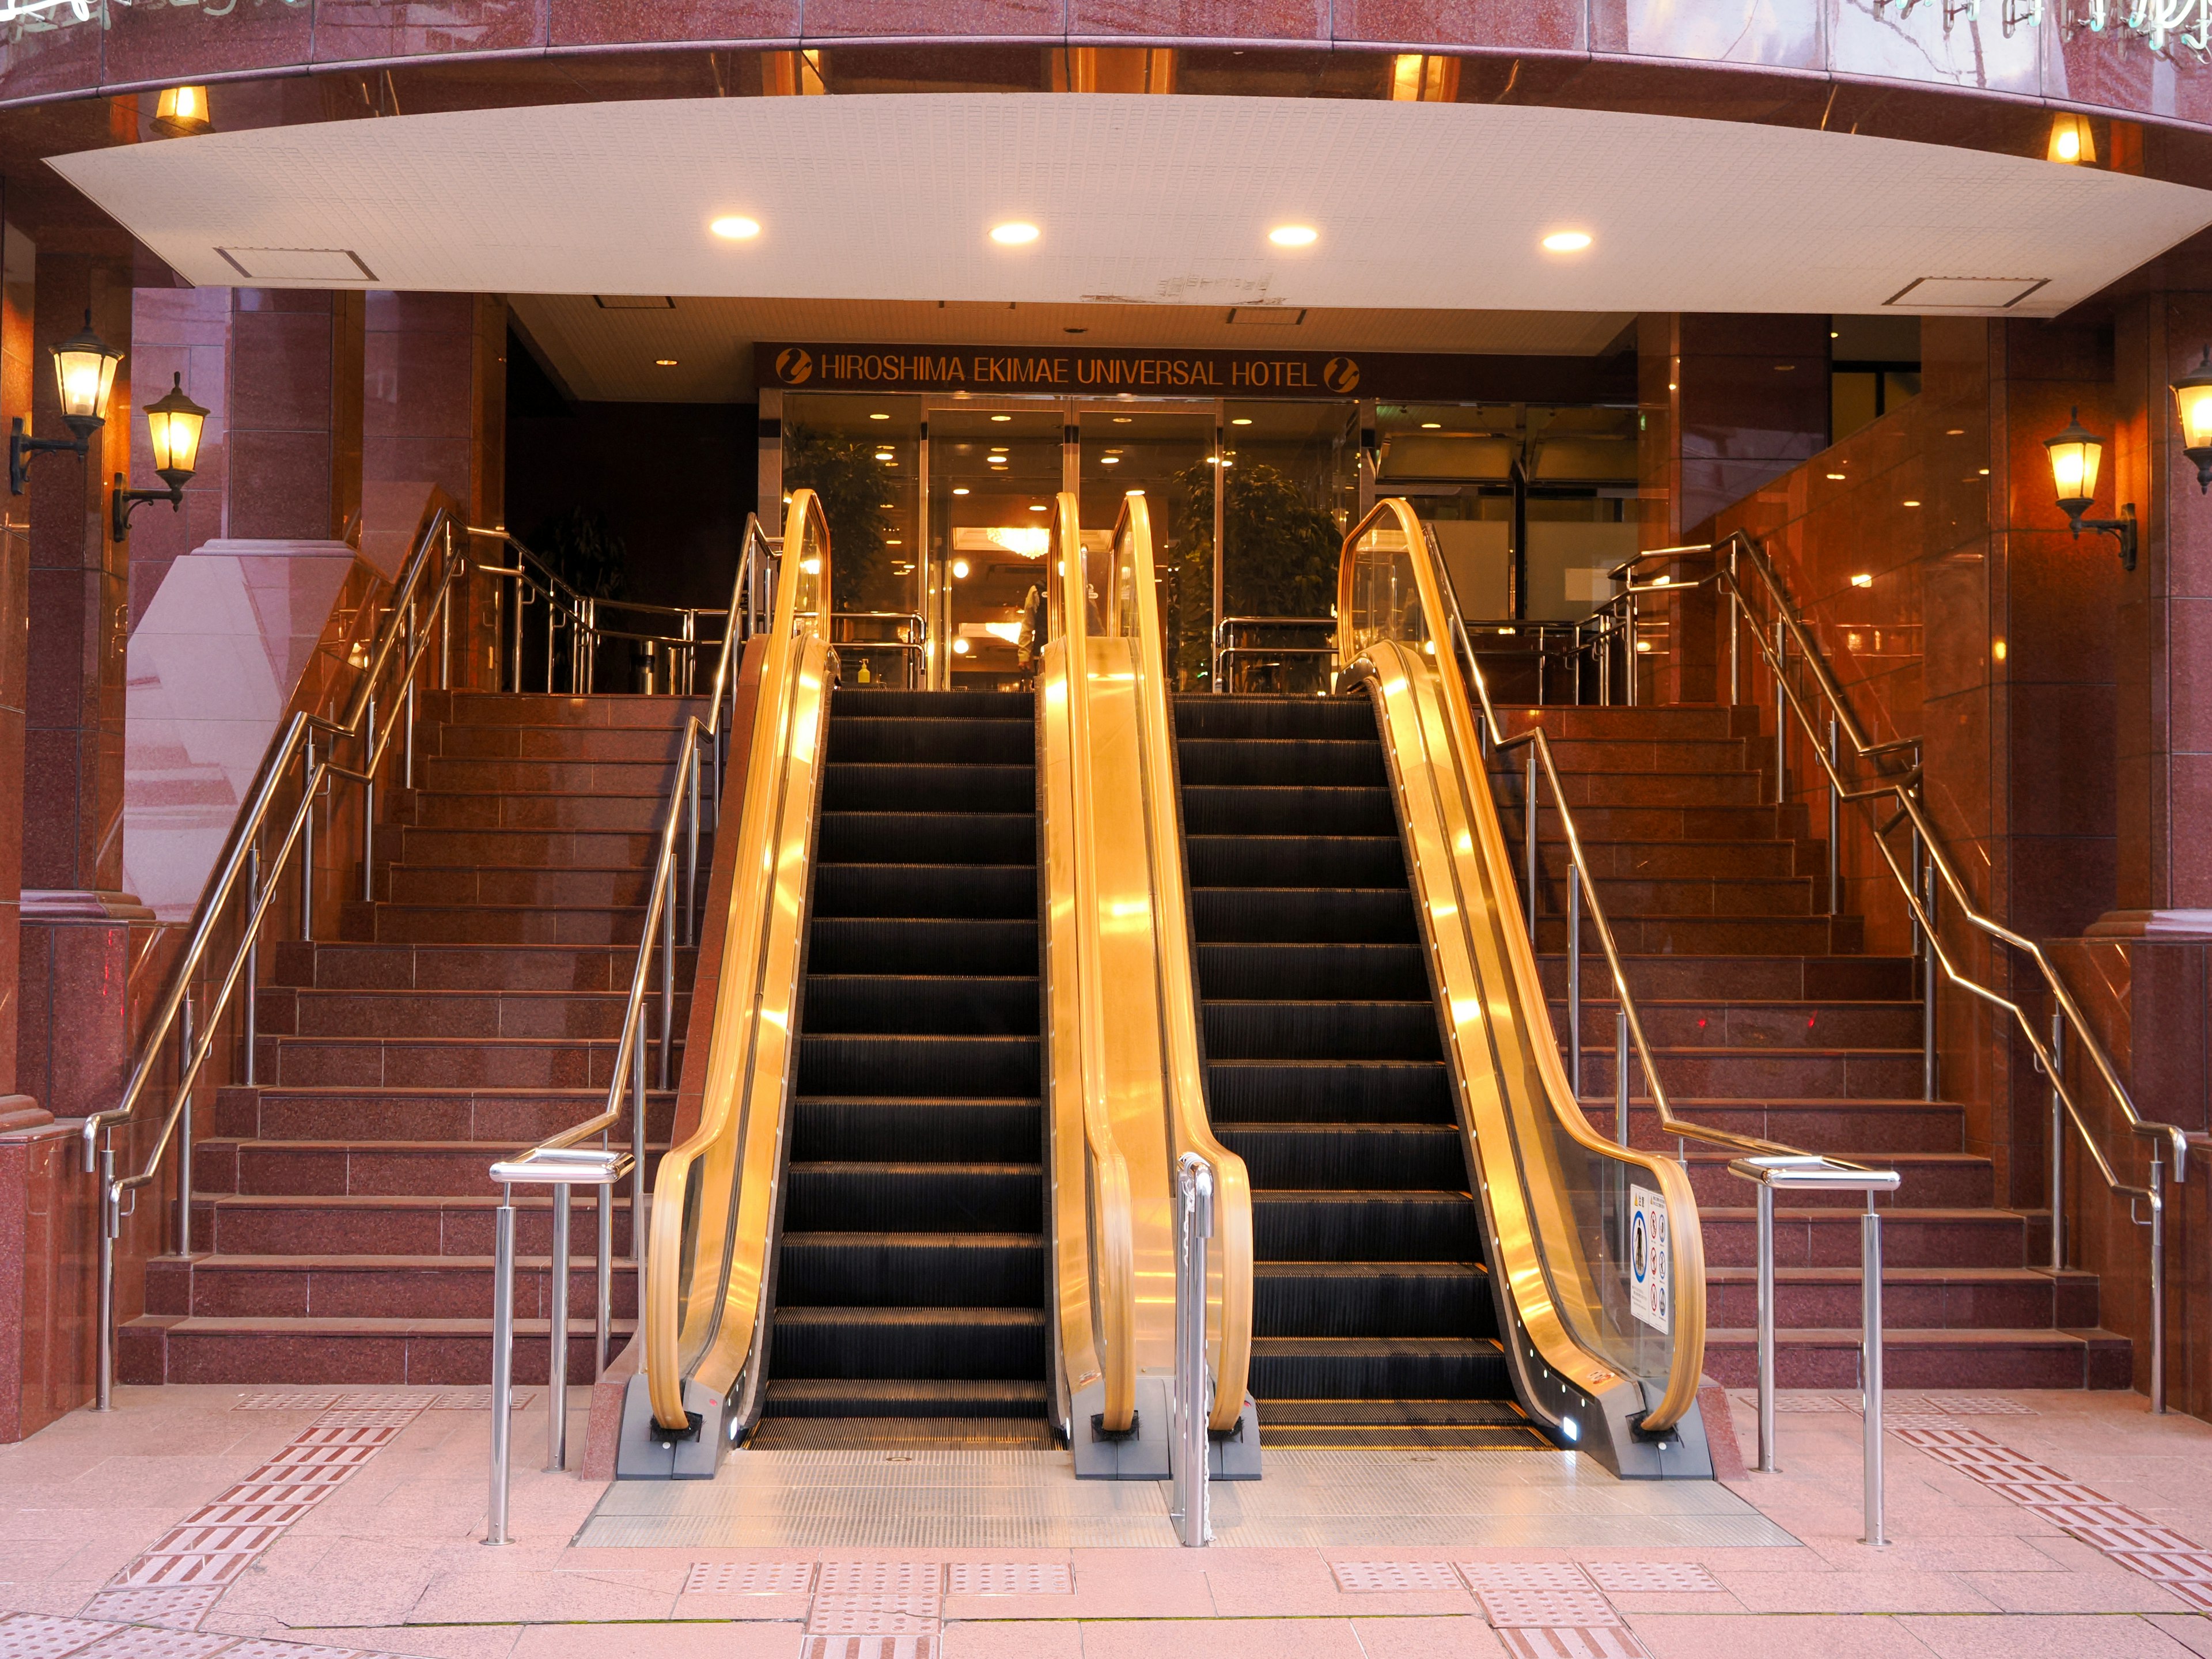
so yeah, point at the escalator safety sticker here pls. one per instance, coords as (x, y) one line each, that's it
(1651, 1296)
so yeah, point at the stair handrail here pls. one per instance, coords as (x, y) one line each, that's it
(1106, 1334)
(663, 921)
(399, 638)
(1907, 789)
(1132, 608)
(1686, 1355)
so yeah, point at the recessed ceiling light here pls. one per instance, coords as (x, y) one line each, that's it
(663, 362)
(959, 568)
(1836, 475)
(1862, 581)
(1567, 241)
(1242, 420)
(1002, 418)
(960, 489)
(879, 417)
(1036, 506)
(1956, 432)
(1293, 235)
(735, 229)
(1432, 426)
(1123, 420)
(1109, 460)
(960, 647)
(1912, 503)
(883, 455)
(1013, 233)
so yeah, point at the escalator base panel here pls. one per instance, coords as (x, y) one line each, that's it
(1499, 1437)
(901, 1434)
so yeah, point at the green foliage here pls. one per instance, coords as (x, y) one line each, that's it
(587, 553)
(1281, 551)
(845, 473)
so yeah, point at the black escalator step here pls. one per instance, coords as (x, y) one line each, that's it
(1304, 915)
(910, 1344)
(1378, 1368)
(922, 1129)
(855, 738)
(1411, 1437)
(1321, 1091)
(921, 944)
(1295, 861)
(936, 705)
(1372, 1299)
(1261, 762)
(1397, 972)
(968, 891)
(1027, 1432)
(1387, 1413)
(1343, 718)
(891, 788)
(1322, 1226)
(995, 1270)
(902, 1197)
(928, 837)
(942, 1004)
(905, 1065)
(1379, 1158)
(1314, 810)
(1322, 1031)
(868, 1397)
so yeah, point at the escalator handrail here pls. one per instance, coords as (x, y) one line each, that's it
(665, 1291)
(1686, 1355)
(1109, 1219)
(1184, 1075)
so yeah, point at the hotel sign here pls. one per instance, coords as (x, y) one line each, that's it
(1109, 372)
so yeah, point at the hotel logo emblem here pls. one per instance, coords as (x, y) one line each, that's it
(794, 366)
(1340, 374)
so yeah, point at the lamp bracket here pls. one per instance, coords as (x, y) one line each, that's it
(122, 502)
(21, 446)
(2121, 530)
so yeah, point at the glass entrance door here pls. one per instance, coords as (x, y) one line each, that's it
(1164, 452)
(993, 474)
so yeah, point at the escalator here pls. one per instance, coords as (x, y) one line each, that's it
(910, 1289)
(1373, 1320)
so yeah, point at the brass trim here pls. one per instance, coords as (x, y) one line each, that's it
(703, 1304)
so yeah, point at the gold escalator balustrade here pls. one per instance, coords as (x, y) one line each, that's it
(1596, 1245)
(716, 1199)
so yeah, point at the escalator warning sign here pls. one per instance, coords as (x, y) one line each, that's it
(1650, 1295)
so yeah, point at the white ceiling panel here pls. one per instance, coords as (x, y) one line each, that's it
(1141, 201)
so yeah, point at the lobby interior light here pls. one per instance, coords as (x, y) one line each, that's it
(735, 228)
(182, 113)
(2076, 456)
(84, 375)
(2192, 405)
(175, 422)
(1566, 241)
(959, 569)
(2071, 140)
(1294, 236)
(1013, 233)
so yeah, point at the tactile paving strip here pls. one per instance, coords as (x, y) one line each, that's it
(879, 1578)
(1483, 1575)
(1582, 1609)
(39, 1635)
(749, 1578)
(1018, 1578)
(1362, 1577)
(146, 1642)
(181, 1607)
(1603, 1642)
(872, 1615)
(1649, 1577)
(869, 1647)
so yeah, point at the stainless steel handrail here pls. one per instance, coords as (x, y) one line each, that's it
(398, 635)
(757, 562)
(1906, 788)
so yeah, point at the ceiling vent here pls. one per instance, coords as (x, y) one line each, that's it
(634, 302)
(297, 265)
(1964, 293)
(1268, 316)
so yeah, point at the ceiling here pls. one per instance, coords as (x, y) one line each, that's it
(598, 353)
(1154, 213)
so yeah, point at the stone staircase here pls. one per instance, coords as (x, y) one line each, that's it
(1765, 1018)
(342, 1216)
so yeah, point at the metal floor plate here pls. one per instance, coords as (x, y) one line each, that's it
(972, 1499)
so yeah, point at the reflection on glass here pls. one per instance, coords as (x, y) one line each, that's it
(1162, 450)
(1290, 486)
(862, 455)
(994, 474)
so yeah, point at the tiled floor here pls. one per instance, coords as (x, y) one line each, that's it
(2067, 1525)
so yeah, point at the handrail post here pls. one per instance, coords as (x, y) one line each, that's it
(1528, 838)
(1735, 633)
(1194, 1183)
(1870, 1340)
(369, 810)
(184, 1127)
(307, 840)
(407, 657)
(2057, 1144)
(249, 1014)
(1929, 1078)
(502, 1360)
(603, 1301)
(1781, 716)
(691, 851)
(1835, 817)
(1620, 1064)
(1628, 658)
(1574, 980)
(110, 1223)
(1765, 1465)
(667, 983)
(2158, 1286)
(556, 1365)
(637, 1146)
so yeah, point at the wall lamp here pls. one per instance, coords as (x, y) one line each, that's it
(175, 422)
(2075, 456)
(84, 373)
(2192, 405)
